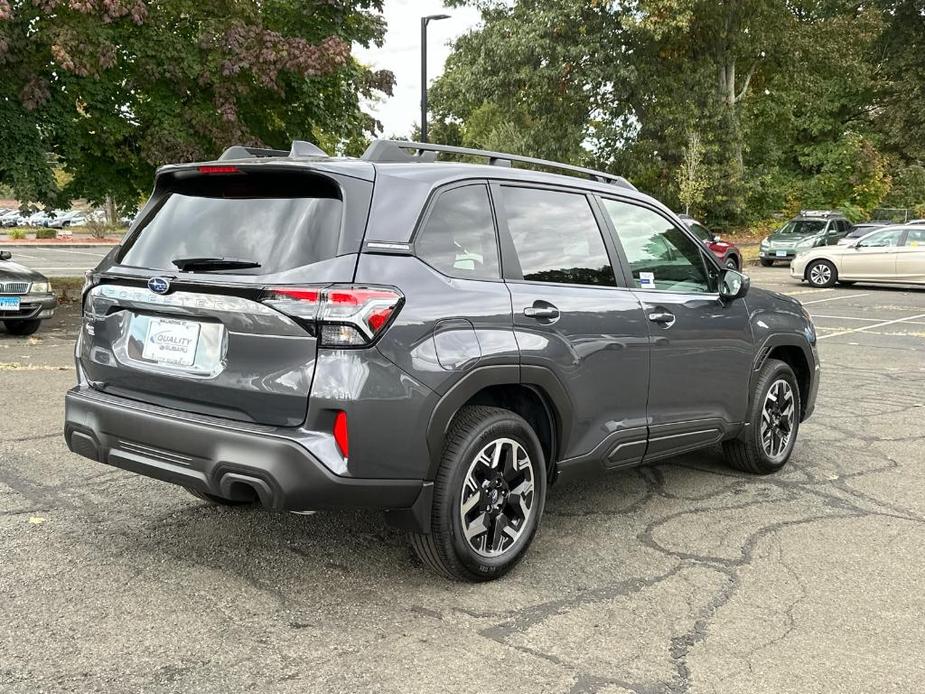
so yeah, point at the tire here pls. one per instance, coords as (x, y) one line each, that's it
(751, 452)
(475, 433)
(22, 327)
(766, 263)
(821, 274)
(731, 262)
(218, 500)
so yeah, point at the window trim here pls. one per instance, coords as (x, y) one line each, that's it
(428, 209)
(710, 261)
(510, 265)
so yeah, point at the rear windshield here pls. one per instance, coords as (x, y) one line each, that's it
(280, 222)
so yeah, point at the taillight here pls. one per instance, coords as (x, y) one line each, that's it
(346, 315)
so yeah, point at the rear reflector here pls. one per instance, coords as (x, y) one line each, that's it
(219, 170)
(348, 315)
(340, 433)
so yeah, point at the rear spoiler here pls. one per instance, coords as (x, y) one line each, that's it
(300, 149)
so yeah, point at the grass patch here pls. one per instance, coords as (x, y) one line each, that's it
(67, 288)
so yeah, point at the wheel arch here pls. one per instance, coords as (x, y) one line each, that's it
(795, 356)
(827, 259)
(534, 393)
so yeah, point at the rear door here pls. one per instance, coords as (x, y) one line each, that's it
(572, 319)
(172, 322)
(702, 350)
(910, 257)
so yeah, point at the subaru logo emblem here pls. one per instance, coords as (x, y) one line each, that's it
(159, 285)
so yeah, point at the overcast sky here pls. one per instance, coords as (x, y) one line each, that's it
(401, 53)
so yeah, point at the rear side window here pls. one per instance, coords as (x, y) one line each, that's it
(458, 238)
(279, 221)
(916, 238)
(556, 237)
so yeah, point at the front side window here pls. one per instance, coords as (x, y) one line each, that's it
(556, 237)
(881, 239)
(458, 238)
(660, 255)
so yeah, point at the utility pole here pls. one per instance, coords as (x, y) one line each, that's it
(424, 22)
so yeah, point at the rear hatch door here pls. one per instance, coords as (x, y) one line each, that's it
(176, 317)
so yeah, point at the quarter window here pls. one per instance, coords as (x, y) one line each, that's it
(660, 255)
(458, 238)
(556, 237)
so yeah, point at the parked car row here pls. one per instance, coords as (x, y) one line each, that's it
(54, 219)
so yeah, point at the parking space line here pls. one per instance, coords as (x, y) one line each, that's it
(868, 320)
(71, 250)
(809, 291)
(871, 327)
(835, 298)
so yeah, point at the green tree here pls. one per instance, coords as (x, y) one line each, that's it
(692, 180)
(899, 54)
(769, 84)
(113, 89)
(531, 78)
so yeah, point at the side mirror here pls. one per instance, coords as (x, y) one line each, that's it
(5, 255)
(733, 285)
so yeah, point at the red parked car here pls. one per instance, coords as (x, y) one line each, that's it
(727, 253)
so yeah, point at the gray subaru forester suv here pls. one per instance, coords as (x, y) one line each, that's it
(438, 340)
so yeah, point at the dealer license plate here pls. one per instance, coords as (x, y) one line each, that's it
(171, 342)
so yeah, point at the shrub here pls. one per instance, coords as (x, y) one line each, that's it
(17, 234)
(45, 233)
(96, 229)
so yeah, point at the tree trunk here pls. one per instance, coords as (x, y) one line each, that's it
(110, 207)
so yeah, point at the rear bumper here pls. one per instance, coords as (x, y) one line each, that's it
(231, 461)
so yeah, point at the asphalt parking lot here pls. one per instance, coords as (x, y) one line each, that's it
(59, 262)
(681, 577)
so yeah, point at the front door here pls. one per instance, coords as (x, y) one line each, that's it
(572, 320)
(873, 258)
(702, 350)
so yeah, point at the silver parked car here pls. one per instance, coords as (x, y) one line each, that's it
(891, 254)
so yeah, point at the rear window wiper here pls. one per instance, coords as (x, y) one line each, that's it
(210, 264)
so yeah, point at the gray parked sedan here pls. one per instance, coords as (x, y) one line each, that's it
(25, 297)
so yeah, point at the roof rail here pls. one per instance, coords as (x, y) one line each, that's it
(300, 148)
(393, 151)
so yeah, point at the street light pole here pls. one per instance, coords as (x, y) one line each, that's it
(424, 22)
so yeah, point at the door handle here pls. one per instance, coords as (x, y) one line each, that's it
(547, 312)
(663, 318)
